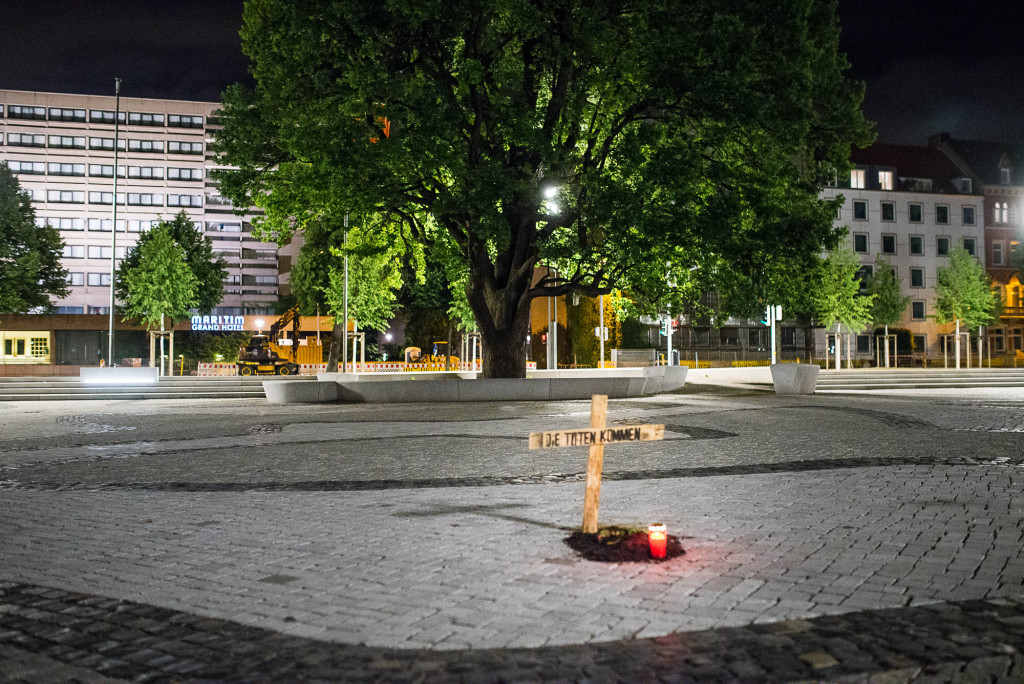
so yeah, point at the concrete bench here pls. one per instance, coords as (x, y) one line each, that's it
(794, 378)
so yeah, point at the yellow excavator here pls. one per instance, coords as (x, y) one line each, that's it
(439, 357)
(260, 357)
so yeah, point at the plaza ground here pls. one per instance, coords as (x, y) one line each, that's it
(827, 537)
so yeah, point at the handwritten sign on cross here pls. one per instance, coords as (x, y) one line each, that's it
(596, 437)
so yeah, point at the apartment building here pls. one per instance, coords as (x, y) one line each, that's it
(61, 147)
(997, 171)
(909, 206)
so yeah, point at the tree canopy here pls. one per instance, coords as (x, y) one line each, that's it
(889, 303)
(161, 283)
(208, 269)
(837, 295)
(963, 292)
(30, 269)
(658, 148)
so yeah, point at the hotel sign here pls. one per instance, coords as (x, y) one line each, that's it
(218, 323)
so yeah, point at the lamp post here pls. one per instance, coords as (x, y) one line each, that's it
(113, 223)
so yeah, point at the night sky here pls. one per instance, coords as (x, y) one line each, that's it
(936, 65)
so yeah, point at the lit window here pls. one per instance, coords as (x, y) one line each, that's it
(1002, 213)
(145, 119)
(105, 143)
(857, 178)
(57, 169)
(67, 141)
(145, 199)
(76, 278)
(74, 252)
(184, 174)
(145, 172)
(184, 200)
(34, 168)
(70, 196)
(178, 147)
(105, 116)
(146, 145)
(105, 198)
(26, 140)
(885, 180)
(105, 171)
(60, 114)
(99, 279)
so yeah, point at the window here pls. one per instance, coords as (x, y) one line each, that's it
(135, 226)
(26, 140)
(863, 344)
(888, 244)
(224, 227)
(96, 279)
(98, 310)
(885, 180)
(184, 200)
(67, 141)
(59, 114)
(145, 199)
(105, 143)
(70, 310)
(103, 252)
(184, 121)
(237, 280)
(184, 174)
(920, 343)
(997, 253)
(34, 168)
(272, 280)
(968, 215)
(105, 116)
(864, 274)
(71, 196)
(178, 147)
(917, 245)
(145, 119)
(860, 242)
(857, 179)
(942, 214)
(39, 346)
(34, 194)
(103, 225)
(915, 213)
(1001, 213)
(888, 211)
(997, 340)
(76, 279)
(917, 310)
(146, 172)
(67, 223)
(74, 252)
(24, 112)
(105, 197)
(969, 246)
(57, 169)
(966, 186)
(105, 171)
(917, 277)
(942, 246)
(860, 210)
(14, 347)
(146, 145)
(1004, 176)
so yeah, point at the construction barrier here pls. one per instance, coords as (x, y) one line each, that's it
(208, 370)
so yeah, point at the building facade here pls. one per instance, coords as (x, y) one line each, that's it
(909, 206)
(61, 147)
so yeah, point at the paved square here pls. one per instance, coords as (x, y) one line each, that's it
(825, 536)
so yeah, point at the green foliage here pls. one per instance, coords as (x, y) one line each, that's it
(582, 318)
(208, 269)
(210, 346)
(888, 304)
(160, 283)
(30, 268)
(688, 147)
(837, 297)
(964, 293)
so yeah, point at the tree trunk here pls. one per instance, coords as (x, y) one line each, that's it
(504, 356)
(337, 335)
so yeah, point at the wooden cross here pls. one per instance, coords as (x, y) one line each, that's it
(596, 437)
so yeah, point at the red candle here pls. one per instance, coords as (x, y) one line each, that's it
(657, 537)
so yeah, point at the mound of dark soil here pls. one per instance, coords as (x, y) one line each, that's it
(620, 545)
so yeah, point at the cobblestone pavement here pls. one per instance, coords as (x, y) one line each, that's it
(827, 538)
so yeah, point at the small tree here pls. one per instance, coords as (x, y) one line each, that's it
(209, 269)
(888, 304)
(160, 285)
(837, 299)
(30, 268)
(963, 294)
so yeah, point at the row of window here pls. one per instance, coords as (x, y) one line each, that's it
(137, 199)
(78, 142)
(94, 252)
(915, 212)
(132, 225)
(103, 170)
(916, 274)
(915, 243)
(1002, 339)
(102, 116)
(887, 181)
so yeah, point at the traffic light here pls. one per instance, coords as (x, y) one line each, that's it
(663, 329)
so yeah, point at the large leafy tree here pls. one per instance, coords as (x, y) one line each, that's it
(30, 269)
(686, 141)
(889, 302)
(837, 296)
(209, 269)
(160, 284)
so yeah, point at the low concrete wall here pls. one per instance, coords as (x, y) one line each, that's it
(756, 375)
(795, 378)
(118, 375)
(300, 391)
